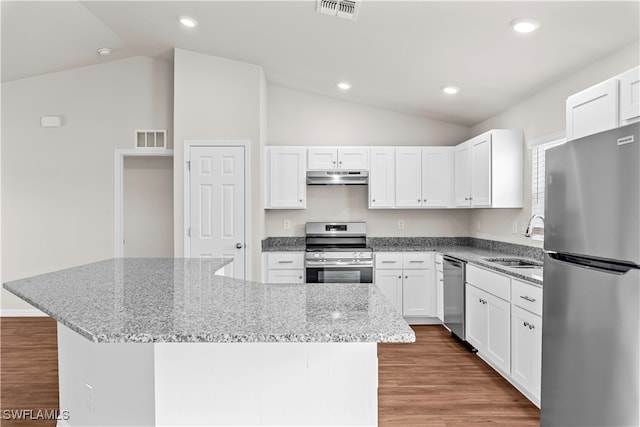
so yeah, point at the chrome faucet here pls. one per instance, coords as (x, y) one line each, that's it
(529, 231)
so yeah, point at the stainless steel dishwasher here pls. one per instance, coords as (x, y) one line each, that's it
(454, 297)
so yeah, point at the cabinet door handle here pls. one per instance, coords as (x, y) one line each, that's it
(418, 200)
(285, 262)
(526, 324)
(388, 262)
(441, 280)
(424, 200)
(406, 277)
(531, 326)
(415, 260)
(399, 277)
(299, 277)
(527, 298)
(374, 200)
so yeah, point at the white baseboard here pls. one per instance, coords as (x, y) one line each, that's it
(420, 320)
(30, 312)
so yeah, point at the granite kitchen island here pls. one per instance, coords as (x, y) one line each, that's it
(168, 342)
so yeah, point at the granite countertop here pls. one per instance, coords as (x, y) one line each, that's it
(183, 300)
(471, 250)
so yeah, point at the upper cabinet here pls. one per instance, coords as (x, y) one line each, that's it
(593, 110)
(630, 96)
(489, 170)
(607, 105)
(424, 177)
(325, 158)
(285, 181)
(437, 177)
(382, 182)
(408, 177)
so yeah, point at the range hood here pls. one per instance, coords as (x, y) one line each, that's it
(337, 177)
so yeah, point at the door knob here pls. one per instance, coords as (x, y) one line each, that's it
(238, 245)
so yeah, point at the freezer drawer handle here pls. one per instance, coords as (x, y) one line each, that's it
(528, 298)
(611, 267)
(285, 262)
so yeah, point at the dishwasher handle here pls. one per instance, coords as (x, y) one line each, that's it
(453, 261)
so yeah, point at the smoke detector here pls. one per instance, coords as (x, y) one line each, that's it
(347, 9)
(104, 51)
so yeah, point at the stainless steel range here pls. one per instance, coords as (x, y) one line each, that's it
(338, 253)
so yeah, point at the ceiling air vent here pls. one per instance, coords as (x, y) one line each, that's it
(347, 9)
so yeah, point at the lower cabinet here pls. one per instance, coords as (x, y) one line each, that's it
(285, 267)
(526, 351)
(439, 288)
(504, 322)
(390, 283)
(408, 280)
(488, 326)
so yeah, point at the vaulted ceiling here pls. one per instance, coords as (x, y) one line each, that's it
(397, 54)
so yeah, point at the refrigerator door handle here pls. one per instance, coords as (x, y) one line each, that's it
(612, 267)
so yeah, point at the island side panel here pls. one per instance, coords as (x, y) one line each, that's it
(120, 374)
(266, 384)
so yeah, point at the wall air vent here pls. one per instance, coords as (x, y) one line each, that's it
(151, 138)
(347, 9)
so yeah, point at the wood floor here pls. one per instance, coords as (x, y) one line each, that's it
(28, 368)
(437, 382)
(433, 382)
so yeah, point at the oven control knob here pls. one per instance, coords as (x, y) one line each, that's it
(317, 255)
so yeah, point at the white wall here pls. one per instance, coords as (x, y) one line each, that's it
(301, 118)
(57, 183)
(218, 99)
(148, 206)
(542, 114)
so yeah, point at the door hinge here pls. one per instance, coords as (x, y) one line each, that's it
(188, 165)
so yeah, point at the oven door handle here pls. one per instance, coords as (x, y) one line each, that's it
(334, 264)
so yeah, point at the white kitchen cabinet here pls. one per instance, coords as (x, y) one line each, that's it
(408, 281)
(390, 283)
(526, 351)
(285, 267)
(462, 180)
(408, 177)
(475, 317)
(382, 178)
(630, 96)
(424, 177)
(489, 170)
(480, 151)
(439, 287)
(285, 181)
(437, 177)
(593, 110)
(326, 158)
(488, 325)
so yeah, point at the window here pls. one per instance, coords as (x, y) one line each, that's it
(538, 149)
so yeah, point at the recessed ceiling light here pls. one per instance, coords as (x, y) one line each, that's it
(450, 89)
(524, 25)
(104, 51)
(344, 86)
(188, 22)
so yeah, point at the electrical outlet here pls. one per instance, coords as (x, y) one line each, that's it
(286, 224)
(88, 398)
(401, 224)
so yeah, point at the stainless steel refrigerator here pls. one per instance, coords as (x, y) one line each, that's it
(591, 307)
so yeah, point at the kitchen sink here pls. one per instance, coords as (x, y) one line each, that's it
(514, 262)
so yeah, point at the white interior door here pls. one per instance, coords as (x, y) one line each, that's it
(217, 205)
